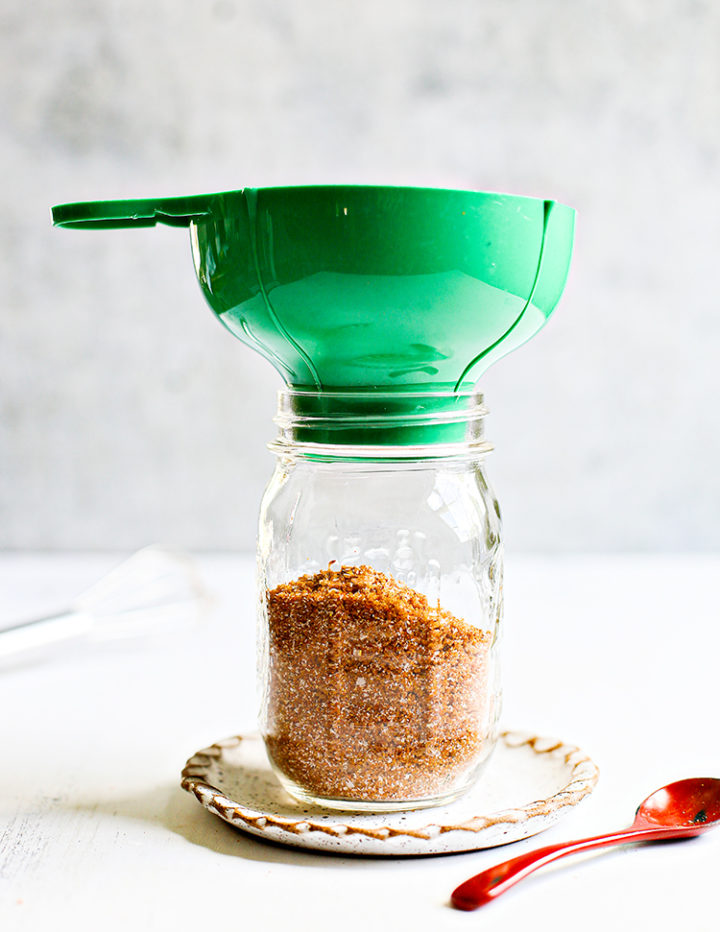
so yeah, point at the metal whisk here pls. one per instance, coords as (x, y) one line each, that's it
(152, 591)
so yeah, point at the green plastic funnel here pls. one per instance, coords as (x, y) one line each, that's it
(349, 289)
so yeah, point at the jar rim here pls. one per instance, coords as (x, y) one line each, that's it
(360, 454)
(373, 421)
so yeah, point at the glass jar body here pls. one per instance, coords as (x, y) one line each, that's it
(380, 604)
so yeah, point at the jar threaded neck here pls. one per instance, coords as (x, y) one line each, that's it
(381, 423)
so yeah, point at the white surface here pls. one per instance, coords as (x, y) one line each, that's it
(617, 654)
(131, 414)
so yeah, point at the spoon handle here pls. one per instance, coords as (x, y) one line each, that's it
(490, 883)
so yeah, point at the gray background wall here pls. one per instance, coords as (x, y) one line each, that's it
(128, 415)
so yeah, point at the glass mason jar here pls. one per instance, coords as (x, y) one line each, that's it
(380, 599)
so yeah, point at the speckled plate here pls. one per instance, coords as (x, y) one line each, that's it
(527, 786)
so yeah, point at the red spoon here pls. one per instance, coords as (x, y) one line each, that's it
(678, 810)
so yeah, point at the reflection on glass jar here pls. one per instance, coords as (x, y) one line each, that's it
(380, 574)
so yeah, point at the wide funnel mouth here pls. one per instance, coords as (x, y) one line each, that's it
(361, 289)
(350, 288)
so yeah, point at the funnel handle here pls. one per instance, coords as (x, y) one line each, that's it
(146, 212)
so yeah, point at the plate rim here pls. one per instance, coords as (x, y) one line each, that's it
(584, 775)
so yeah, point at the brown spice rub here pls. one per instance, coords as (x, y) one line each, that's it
(373, 694)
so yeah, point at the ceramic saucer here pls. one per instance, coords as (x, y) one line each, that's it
(528, 784)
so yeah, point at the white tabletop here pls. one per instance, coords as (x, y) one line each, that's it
(616, 654)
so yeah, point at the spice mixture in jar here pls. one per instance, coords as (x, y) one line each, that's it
(373, 693)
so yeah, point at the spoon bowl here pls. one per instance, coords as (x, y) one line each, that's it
(693, 804)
